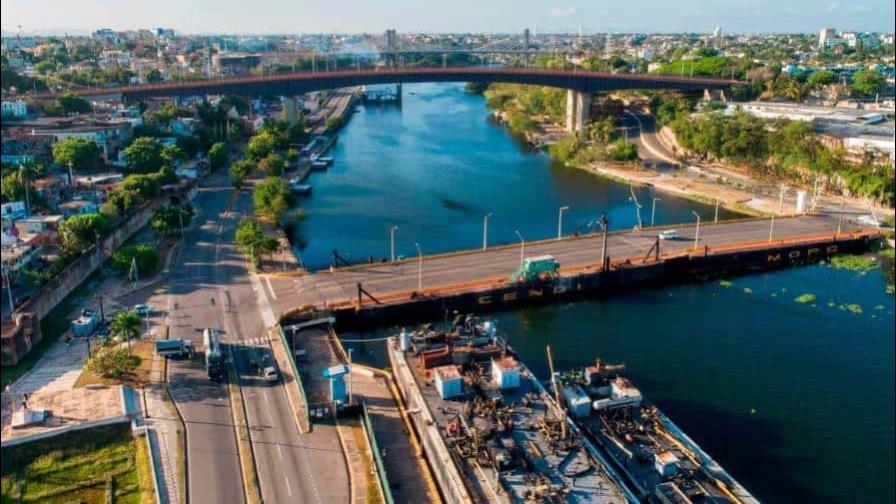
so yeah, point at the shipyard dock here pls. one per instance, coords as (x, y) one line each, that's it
(424, 288)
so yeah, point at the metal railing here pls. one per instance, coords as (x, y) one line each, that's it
(378, 467)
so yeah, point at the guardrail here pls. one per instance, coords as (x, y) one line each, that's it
(303, 418)
(378, 467)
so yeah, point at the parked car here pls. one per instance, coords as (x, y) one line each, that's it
(668, 234)
(144, 310)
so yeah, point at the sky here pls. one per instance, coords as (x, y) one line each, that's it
(505, 16)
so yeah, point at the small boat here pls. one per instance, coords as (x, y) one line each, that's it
(319, 166)
(325, 159)
(297, 187)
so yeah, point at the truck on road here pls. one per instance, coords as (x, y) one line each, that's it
(544, 268)
(215, 363)
(174, 348)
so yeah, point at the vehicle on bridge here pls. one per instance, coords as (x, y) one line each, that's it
(215, 364)
(544, 267)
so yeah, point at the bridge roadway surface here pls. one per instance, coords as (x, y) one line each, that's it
(291, 467)
(290, 84)
(476, 265)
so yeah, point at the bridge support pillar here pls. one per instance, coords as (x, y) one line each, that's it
(290, 109)
(578, 107)
(571, 110)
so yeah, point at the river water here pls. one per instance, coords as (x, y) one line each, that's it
(795, 400)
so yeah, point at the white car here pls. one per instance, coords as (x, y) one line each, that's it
(669, 234)
(869, 220)
(270, 373)
(143, 310)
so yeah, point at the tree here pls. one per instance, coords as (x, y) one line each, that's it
(252, 241)
(112, 362)
(77, 152)
(154, 75)
(144, 256)
(239, 171)
(172, 155)
(44, 67)
(270, 198)
(16, 179)
(620, 150)
(272, 165)
(867, 83)
(125, 325)
(71, 104)
(261, 145)
(79, 232)
(144, 155)
(168, 219)
(217, 155)
(821, 78)
(292, 155)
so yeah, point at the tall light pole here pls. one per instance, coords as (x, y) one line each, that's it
(27, 185)
(522, 247)
(781, 197)
(716, 216)
(653, 210)
(485, 230)
(697, 234)
(350, 375)
(392, 242)
(634, 199)
(560, 221)
(419, 268)
(771, 229)
(605, 225)
(840, 218)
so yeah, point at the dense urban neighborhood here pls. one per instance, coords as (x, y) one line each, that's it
(217, 250)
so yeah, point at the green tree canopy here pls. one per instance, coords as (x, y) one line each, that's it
(79, 232)
(217, 155)
(261, 145)
(270, 198)
(821, 78)
(71, 104)
(272, 165)
(167, 219)
(144, 155)
(252, 240)
(77, 152)
(112, 362)
(238, 172)
(867, 83)
(125, 325)
(144, 256)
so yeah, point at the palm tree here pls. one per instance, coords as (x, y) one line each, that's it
(126, 324)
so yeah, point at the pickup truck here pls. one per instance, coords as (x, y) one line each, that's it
(174, 348)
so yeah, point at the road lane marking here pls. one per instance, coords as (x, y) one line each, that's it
(279, 451)
(288, 488)
(268, 281)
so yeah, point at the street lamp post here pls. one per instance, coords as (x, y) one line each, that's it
(560, 221)
(771, 229)
(653, 210)
(840, 218)
(522, 247)
(781, 198)
(716, 216)
(350, 375)
(419, 268)
(485, 230)
(605, 224)
(392, 242)
(697, 233)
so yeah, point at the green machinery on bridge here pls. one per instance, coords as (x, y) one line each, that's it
(543, 267)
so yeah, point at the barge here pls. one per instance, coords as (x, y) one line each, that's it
(658, 461)
(491, 432)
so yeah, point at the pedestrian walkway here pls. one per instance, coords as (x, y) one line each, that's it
(165, 424)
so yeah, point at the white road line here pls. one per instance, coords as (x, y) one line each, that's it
(271, 287)
(279, 451)
(267, 399)
(288, 488)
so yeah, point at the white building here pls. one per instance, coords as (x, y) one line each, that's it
(826, 35)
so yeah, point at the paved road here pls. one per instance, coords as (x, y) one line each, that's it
(210, 267)
(380, 279)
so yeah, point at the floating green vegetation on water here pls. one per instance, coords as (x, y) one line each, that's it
(853, 263)
(805, 298)
(852, 307)
(725, 283)
(891, 289)
(748, 290)
(832, 304)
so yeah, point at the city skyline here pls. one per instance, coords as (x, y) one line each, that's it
(501, 16)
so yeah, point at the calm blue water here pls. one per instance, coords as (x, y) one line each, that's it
(434, 167)
(796, 401)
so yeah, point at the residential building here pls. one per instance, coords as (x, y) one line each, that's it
(77, 207)
(14, 108)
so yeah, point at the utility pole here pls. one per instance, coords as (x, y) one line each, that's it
(781, 197)
(653, 211)
(12, 305)
(27, 190)
(485, 230)
(419, 268)
(522, 247)
(697, 234)
(560, 221)
(605, 225)
(392, 242)
(771, 229)
(716, 216)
